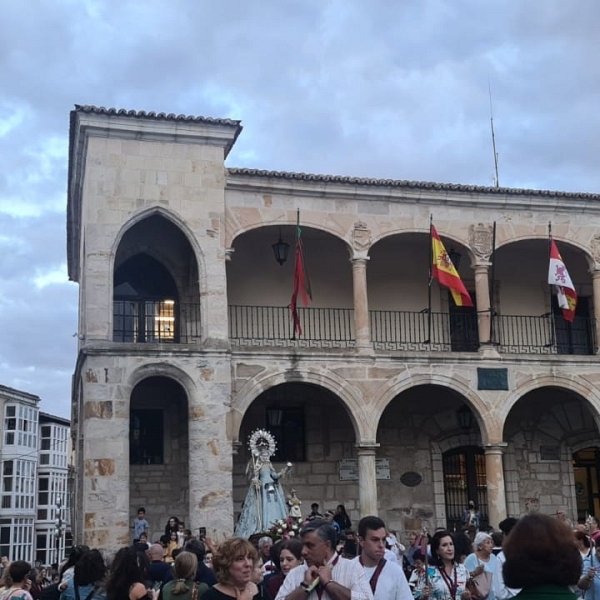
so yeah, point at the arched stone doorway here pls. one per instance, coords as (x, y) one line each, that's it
(544, 430)
(314, 432)
(417, 431)
(158, 452)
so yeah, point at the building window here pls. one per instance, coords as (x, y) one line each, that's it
(18, 479)
(16, 538)
(146, 437)
(20, 426)
(287, 425)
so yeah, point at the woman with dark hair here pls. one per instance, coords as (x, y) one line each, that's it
(67, 570)
(233, 563)
(542, 559)
(289, 555)
(172, 526)
(88, 580)
(447, 579)
(127, 577)
(341, 518)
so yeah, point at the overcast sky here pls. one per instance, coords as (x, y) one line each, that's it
(375, 88)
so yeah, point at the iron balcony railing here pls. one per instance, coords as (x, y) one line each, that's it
(272, 326)
(164, 322)
(546, 334)
(174, 322)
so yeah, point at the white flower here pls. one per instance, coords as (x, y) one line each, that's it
(280, 531)
(292, 533)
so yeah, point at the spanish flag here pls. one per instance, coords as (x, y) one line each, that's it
(445, 272)
(560, 280)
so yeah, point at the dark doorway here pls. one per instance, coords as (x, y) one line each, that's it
(464, 480)
(586, 470)
(576, 337)
(464, 336)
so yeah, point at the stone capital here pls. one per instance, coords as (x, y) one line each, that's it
(481, 266)
(359, 259)
(229, 253)
(495, 448)
(367, 448)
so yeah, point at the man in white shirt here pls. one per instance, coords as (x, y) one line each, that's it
(324, 575)
(386, 578)
(501, 590)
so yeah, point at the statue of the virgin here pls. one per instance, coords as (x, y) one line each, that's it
(265, 501)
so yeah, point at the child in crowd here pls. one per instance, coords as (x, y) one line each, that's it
(140, 525)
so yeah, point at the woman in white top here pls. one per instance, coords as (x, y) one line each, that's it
(483, 559)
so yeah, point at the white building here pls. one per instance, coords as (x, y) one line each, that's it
(34, 454)
(19, 452)
(52, 526)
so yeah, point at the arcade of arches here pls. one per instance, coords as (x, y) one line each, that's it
(550, 452)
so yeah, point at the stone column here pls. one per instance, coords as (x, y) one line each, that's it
(367, 479)
(482, 295)
(494, 470)
(596, 284)
(362, 327)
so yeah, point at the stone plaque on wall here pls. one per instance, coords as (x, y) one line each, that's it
(349, 469)
(492, 379)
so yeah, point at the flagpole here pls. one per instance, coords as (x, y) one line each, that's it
(491, 283)
(295, 316)
(430, 281)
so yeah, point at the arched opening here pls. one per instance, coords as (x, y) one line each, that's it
(155, 285)
(544, 430)
(527, 317)
(425, 434)
(314, 432)
(259, 290)
(406, 313)
(158, 452)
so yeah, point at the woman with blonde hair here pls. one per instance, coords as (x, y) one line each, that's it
(183, 587)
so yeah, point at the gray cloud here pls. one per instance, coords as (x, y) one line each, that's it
(380, 89)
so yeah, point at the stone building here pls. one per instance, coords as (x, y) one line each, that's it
(381, 404)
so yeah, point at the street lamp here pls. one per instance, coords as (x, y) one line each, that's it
(59, 529)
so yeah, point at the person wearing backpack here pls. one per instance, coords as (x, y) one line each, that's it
(88, 579)
(18, 572)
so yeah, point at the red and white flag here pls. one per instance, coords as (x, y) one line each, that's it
(560, 280)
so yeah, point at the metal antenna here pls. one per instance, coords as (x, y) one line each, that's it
(497, 181)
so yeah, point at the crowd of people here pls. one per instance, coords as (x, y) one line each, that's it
(539, 557)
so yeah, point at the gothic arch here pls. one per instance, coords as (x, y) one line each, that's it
(407, 380)
(350, 397)
(178, 222)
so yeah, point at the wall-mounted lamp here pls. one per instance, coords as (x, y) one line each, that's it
(281, 249)
(465, 418)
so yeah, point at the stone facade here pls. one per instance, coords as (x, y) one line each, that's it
(179, 287)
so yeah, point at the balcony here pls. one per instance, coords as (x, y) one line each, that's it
(161, 322)
(399, 331)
